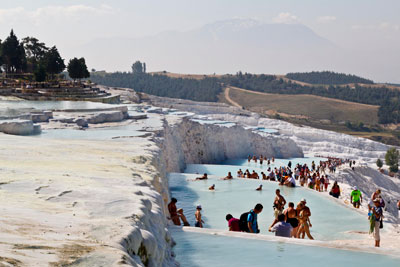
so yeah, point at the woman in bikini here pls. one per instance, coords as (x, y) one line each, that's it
(291, 217)
(304, 221)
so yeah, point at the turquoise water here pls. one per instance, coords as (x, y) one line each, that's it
(93, 134)
(215, 122)
(330, 219)
(234, 165)
(51, 105)
(195, 249)
(262, 129)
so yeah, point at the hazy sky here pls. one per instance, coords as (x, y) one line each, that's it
(369, 25)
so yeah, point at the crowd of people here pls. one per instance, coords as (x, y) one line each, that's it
(314, 176)
(293, 221)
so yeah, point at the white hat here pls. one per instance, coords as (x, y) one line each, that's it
(303, 200)
(355, 188)
(198, 207)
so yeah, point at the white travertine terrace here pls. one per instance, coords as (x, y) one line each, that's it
(102, 202)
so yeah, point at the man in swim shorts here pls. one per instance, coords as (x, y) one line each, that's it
(279, 203)
(197, 215)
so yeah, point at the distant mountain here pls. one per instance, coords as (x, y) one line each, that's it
(221, 47)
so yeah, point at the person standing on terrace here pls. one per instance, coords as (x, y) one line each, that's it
(197, 215)
(279, 203)
(375, 220)
(291, 217)
(356, 197)
(252, 219)
(304, 219)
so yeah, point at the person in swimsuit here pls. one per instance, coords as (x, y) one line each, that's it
(228, 177)
(279, 205)
(259, 188)
(291, 217)
(197, 215)
(204, 177)
(183, 217)
(264, 176)
(212, 187)
(304, 221)
(173, 212)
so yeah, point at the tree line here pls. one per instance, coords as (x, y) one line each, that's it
(32, 56)
(327, 77)
(206, 89)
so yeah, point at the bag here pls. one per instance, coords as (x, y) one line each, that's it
(381, 224)
(243, 222)
(243, 226)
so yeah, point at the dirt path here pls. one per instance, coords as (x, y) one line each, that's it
(228, 98)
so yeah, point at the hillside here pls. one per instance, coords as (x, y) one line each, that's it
(305, 106)
(315, 111)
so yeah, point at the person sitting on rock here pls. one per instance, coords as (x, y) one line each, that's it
(335, 190)
(173, 212)
(254, 175)
(264, 176)
(291, 182)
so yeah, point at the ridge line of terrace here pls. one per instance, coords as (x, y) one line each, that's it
(313, 243)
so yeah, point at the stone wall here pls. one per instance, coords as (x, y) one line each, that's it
(192, 142)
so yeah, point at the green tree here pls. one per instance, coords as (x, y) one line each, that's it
(53, 62)
(379, 163)
(138, 67)
(35, 52)
(13, 54)
(77, 69)
(392, 159)
(40, 74)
